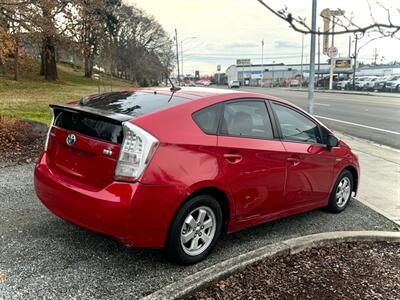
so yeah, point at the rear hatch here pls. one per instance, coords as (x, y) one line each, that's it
(85, 139)
(84, 144)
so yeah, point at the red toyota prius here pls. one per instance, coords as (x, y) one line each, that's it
(175, 169)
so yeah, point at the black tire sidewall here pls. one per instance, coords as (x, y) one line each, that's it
(332, 205)
(173, 245)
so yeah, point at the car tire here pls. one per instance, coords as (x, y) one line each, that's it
(341, 192)
(198, 222)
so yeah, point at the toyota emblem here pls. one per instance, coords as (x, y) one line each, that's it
(71, 139)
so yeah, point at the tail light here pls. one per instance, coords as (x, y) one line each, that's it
(137, 149)
(48, 133)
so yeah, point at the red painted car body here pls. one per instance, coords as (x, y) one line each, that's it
(274, 178)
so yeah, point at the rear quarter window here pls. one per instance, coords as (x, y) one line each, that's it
(208, 118)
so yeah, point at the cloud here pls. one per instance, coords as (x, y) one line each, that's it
(241, 45)
(286, 44)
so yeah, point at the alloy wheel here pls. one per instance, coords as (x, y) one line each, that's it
(198, 230)
(343, 192)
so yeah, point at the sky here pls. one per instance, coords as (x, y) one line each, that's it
(217, 32)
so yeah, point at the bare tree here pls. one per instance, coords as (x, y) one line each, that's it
(127, 41)
(92, 23)
(44, 23)
(7, 44)
(138, 46)
(345, 23)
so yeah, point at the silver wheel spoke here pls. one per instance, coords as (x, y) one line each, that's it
(194, 244)
(205, 238)
(187, 237)
(191, 222)
(201, 217)
(208, 224)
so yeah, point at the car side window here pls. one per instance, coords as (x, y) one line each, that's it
(296, 127)
(208, 118)
(248, 118)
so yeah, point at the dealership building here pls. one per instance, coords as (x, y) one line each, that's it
(282, 74)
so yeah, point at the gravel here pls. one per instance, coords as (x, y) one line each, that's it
(42, 256)
(343, 271)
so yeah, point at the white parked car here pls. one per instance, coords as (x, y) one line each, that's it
(294, 83)
(360, 82)
(370, 83)
(344, 84)
(234, 84)
(393, 84)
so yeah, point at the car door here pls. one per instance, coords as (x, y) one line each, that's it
(252, 158)
(309, 163)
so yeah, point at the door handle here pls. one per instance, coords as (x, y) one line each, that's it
(233, 158)
(293, 160)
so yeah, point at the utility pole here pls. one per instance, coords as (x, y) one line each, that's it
(349, 45)
(355, 61)
(177, 55)
(262, 63)
(301, 66)
(188, 38)
(312, 59)
(332, 59)
(319, 54)
(183, 73)
(375, 56)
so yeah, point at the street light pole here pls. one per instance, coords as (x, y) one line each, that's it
(355, 61)
(301, 66)
(262, 63)
(177, 55)
(319, 55)
(188, 38)
(312, 59)
(183, 73)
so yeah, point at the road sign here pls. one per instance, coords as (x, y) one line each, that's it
(243, 61)
(332, 52)
(343, 63)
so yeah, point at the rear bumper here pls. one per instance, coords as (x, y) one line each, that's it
(125, 211)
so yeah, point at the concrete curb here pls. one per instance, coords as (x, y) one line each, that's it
(288, 247)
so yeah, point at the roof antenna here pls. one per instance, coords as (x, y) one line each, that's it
(173, 88)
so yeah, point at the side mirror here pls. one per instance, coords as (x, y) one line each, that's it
(332, 142)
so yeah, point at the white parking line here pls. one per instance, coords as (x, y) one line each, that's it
(322, 104)
(359, 125)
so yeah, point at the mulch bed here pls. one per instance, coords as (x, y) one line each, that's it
(343, 271)
(20, 141)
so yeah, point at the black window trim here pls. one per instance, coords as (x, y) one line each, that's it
(281, 137)
(271, 119)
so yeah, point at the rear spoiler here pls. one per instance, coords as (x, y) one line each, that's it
(102, 114)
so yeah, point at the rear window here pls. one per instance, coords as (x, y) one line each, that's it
(132, 103)
(89, 125)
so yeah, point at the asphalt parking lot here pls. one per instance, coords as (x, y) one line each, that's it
(43, 256)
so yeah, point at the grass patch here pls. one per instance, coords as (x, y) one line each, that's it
(29, 98)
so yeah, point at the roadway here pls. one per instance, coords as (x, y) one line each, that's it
(372, 117)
